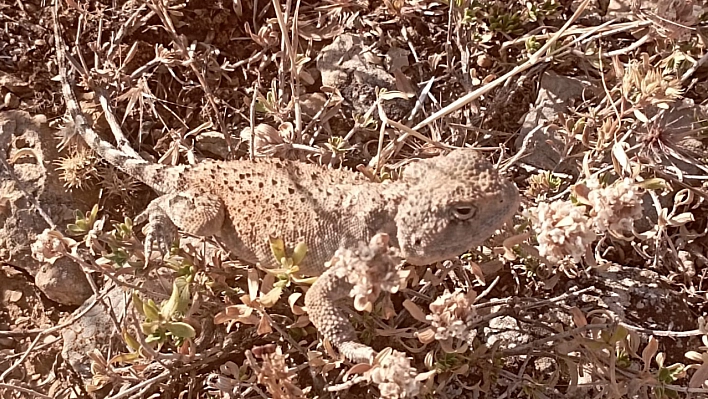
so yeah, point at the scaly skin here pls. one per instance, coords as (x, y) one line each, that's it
(442, 206)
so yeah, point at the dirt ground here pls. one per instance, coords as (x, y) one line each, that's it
(596, 110)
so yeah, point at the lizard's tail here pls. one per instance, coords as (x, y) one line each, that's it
(152, 174)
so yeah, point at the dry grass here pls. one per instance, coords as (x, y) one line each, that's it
(190, 80)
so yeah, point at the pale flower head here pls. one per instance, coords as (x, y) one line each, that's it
(614, 207)
(394, 375)
(452, 316)
(278, 377)
(562, 230)
(370, 268)
(50, 246)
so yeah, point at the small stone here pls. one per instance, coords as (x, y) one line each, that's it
(213, 142)
(94, 331)
(11, 100)
(12, 296)
(63, 282)
(484, 61)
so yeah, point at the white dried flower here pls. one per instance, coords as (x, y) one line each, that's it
(370, 269)
(393, 374)
(453, 316)
(278, 377)
(269, 141)
(562, 229)
(50, 246)
(614, 207)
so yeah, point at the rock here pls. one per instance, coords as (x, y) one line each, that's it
(15, 85)
(95, 330)
(346, 65)
(11, 100)
(636, 296)
(63, 282)
(28, 145)
(212, 142)
(505, 329)
(555, 95)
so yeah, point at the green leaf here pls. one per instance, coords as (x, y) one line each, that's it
(619, 334)
(149, 327)
(129, 358)
(181, 329)
(138, 303)
(277, 247)
(151, 310)
(153, 338)
(132, 343)
(299, 253)
(93, 214)
(179, 299)
(654, 183)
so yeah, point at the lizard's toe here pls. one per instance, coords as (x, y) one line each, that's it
(159, 231)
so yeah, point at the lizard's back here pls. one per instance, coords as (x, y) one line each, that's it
(295, 201)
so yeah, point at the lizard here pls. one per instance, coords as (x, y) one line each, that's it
(440, 208)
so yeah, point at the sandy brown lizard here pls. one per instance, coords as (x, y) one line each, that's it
(440, 208)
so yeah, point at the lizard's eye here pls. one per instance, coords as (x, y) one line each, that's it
(464, 212)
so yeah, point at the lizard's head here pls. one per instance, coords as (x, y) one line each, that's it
(452, 204)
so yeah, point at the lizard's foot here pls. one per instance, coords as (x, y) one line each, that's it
(160, 230)
(194, 213)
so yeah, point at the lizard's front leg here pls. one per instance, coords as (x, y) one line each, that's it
(360, 274)
(199, 214)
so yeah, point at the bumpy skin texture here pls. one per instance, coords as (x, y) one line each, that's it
(334, 285)
(442, 207)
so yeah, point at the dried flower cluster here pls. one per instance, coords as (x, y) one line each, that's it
(370, 269)
(565, 230)
(394, 375)
(77, 168)
(615, 207)
(453, 315)
(644, 84)
(277, 377)
(562, 230)
(50, 246)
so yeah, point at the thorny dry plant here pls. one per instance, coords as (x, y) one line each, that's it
(225, 80)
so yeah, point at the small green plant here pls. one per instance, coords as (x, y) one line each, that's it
(538, 12)
(84, 223)
(338, 145)
(532, 45)
(289, 260)
(118, 240)
(164, 322)
(667, 375)
(448, 361)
